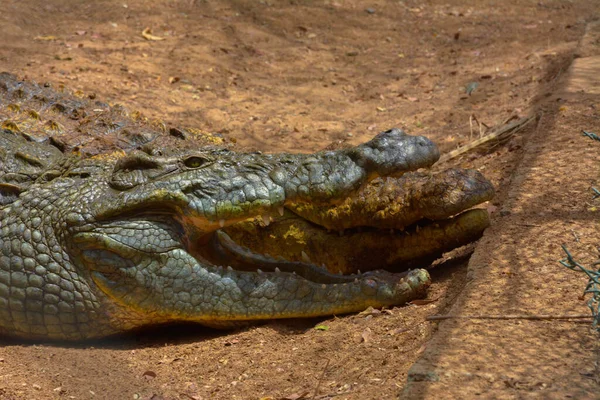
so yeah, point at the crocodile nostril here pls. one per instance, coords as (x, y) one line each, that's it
(395, 131)
(424, 142)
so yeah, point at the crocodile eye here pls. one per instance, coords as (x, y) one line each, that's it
(194, 162)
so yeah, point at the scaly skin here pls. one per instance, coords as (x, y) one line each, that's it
(107, 244)
(73, 123)
(398, 203)
(21, 163)
(344, 238)
(108, 221)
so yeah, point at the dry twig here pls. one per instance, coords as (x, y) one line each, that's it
(320, 380)
(538, 317)
(499, 134)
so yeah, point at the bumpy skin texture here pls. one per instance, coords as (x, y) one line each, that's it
(21, 163)
(345, 237)
(73, 122)
(396, 204)
(101, 242)
(109, 244)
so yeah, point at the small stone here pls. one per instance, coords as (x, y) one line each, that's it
(370, 10)
(470, 88)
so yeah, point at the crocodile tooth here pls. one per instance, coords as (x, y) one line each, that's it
(259, 271)
(323, 286)
(358, 272)
(277, 270)
(280, 209)
(355, 280)
(229, 268)
(266, 219)
(305, 257)
(222, 222)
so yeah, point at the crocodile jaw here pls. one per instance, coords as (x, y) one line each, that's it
(163, 281)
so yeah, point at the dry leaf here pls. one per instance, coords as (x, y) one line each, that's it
(369, 311)
(147, 34)
(45, 38)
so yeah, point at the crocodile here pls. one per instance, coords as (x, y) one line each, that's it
(111, 222)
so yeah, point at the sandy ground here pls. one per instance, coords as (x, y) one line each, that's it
(296, 76)
(513, 271)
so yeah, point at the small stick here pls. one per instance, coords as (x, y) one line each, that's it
(500, 133)
(320, 380)
(480, 129)
(539, 317)
(471, 126)
(332, 395)
(480, 125)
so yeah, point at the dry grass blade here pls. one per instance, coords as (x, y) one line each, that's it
(320, 380)
(499, 134)
(147, 34)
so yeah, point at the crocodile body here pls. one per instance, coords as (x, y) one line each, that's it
(110, 222)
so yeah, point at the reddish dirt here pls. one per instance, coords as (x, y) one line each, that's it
(293, 76)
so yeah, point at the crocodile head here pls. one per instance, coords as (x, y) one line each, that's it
(109, 243)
